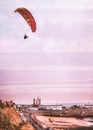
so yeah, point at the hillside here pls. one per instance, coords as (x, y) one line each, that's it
(11, 113)
(10, 118)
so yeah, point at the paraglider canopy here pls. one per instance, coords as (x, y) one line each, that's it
(28, 17)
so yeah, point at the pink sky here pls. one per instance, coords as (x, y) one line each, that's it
(55, 63)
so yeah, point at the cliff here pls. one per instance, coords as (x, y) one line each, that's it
(11, 120)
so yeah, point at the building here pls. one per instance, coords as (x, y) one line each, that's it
(37, 101)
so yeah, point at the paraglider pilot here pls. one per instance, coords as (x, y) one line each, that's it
(25, 36)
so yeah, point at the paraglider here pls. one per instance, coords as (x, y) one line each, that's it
(25, 36)
(26, 14)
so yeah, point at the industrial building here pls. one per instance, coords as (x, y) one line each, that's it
(36, 102)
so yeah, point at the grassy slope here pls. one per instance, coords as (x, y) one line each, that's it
(10, 120)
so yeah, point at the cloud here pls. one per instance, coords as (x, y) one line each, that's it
(61, 4)
(47, 61)
(58, 29)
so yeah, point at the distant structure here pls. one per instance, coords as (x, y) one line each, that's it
(36, 102)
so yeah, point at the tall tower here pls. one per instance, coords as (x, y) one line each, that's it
(38, 101)
(34, 101)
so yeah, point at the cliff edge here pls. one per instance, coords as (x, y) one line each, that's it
(10, 118)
